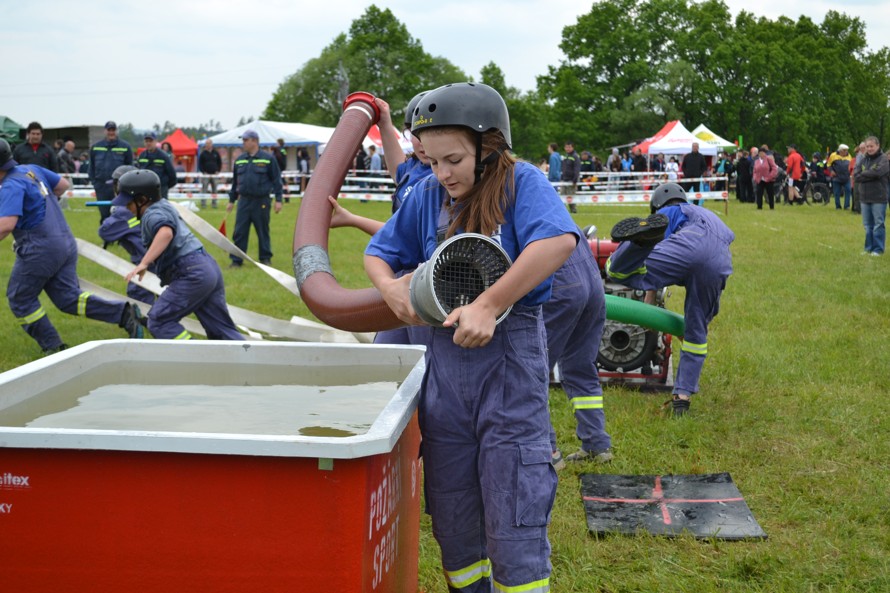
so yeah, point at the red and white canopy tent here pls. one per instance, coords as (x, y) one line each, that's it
(674, 138)
(404, 141)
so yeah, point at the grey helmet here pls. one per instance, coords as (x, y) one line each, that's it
(468, 104)
(6, 154)
(666, 194)
(465, 104)
(409, 110)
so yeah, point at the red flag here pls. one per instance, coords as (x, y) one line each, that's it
(222, 227)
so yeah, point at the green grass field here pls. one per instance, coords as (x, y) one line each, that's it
(795, 404)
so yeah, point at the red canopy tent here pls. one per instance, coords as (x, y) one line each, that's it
(184, 148)
(644, 146)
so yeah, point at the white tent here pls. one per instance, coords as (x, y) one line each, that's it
(707, 136)
(679, 140)
(293, 134)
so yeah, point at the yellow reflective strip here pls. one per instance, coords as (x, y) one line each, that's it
(587, 403)
(133, 222)
(241, 162)
(542, 586)
(185, 335)
(119, 149)
(159, 161)
(262, 161)
(618, 275)
(469, 575)
(32, 317)
(695, 348)
(82, 303)
(100, 148)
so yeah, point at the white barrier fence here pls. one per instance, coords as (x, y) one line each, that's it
(596, 189)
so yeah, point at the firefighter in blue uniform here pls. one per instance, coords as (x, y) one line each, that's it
(489, 485)
(106, 156)
(685, 245)
(122, 227)
(46, 256)
(255, 175)
(193, 279)
(574, 318)
(155, 159)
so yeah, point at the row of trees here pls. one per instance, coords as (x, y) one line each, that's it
(630, 66)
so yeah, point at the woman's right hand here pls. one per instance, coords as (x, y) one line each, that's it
(397, 295)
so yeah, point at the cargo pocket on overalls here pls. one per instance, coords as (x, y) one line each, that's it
(535, 485)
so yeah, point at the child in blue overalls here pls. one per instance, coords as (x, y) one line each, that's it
(488, 482)
(124, 228)
(193, 278)
(681, 244)
(406, 171)
(574, 318)
(46, 256)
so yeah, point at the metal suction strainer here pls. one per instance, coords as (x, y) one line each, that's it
(461, 269)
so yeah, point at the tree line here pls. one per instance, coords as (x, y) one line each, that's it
(629, 66)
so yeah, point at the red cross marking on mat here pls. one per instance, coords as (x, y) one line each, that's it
(658, 497)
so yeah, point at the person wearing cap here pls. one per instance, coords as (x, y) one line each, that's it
(794, 164)
(35, 151)
(255, 175)
(46, 256)
(106, 155)
(157, 160)
(839, 164)
(193, 279)
(124, 229)
(679, 244)
(483, 412)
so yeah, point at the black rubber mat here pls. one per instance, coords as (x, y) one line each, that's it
(705, 506)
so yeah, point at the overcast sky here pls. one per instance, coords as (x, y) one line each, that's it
(190, 61)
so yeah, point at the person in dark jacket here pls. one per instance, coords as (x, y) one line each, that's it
(693, 166)
(571, 172)
(871, 177)
(744, 191)
(35, 151)
(255, 175)
(154, 159)
(209, 165)
(106, 156)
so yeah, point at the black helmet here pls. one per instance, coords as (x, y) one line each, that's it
(409, 110)
(119, 172)
(666, 194)
(141, 182)
(817, 155)
(468, 104)
(5, 155)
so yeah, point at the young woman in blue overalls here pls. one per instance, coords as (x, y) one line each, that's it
(488, 481)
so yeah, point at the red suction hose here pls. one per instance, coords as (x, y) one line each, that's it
(361, 310)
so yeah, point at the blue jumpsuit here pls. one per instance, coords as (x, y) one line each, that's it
(46, 257)
(193, 278)
(253, 179)
(695, 254)
(574, 318)
(408, 174)
(122, 226)
(488, 482)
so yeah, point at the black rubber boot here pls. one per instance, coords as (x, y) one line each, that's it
(642, 231)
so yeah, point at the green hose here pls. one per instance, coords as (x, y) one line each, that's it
(639, 313)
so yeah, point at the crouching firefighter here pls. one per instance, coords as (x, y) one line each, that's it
(679, 244)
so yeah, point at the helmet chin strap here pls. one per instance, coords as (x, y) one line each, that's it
(482, 163)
